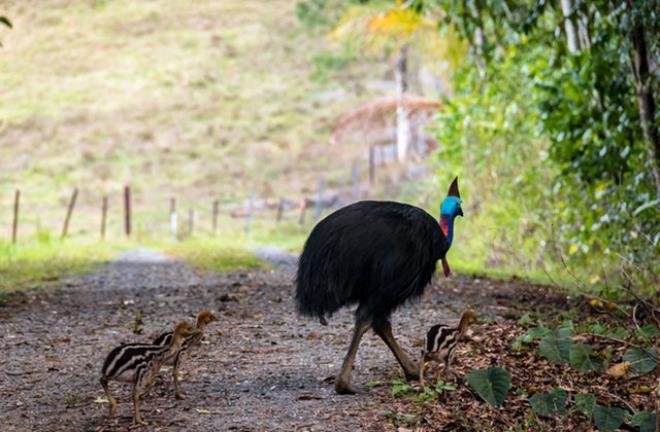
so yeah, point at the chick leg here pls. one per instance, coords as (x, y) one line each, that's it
(138, 388)
(175, 376)
(106, 389)
(384, 330)
(343, 381)
(446, 372)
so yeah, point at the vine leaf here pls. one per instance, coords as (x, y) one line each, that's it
(549, 404)
(608, 419)
(642, 361)
(583, 358)
(491, 384)
(645, 420)
(585, 403)
(557, 347)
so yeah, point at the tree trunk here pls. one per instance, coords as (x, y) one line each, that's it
(645, 97)
(402, 118)
(569, 25)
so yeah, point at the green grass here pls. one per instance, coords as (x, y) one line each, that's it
(217, 256)
(43, 261)
(38, 264)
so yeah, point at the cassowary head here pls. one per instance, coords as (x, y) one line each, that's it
(449, 209)
(451, 205)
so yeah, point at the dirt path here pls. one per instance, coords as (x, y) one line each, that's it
(264, 368)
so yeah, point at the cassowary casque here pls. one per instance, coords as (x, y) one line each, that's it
(378, 255)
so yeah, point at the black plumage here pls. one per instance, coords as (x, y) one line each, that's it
(374, 253)
(378, 255)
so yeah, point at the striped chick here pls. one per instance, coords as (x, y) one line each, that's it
(204, 318)
(138, 364)
(441, 341)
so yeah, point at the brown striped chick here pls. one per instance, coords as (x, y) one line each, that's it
(441, 341)
(204, 318)
(138, 364)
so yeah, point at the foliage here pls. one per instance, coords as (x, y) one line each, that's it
(608, 419)
(549, 404)
(427, 394)
(557, 346)
(583, 358)
(642, 361)
(646, 421)
(491, 384)
(535, 124)
(585, 403)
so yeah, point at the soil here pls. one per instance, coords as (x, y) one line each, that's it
(263, 367)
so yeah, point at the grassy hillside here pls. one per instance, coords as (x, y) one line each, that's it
(201, 101)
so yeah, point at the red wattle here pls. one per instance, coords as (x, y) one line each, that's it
(445, 267)
(444, 227)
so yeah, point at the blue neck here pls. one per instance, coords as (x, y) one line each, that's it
(449, 221)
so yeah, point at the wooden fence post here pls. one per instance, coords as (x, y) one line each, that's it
(319, 198)
(372, 165)
(127, 210)
(173, 219)
(14, 226)
(69, 211)
(104, 215)
(216, 205)
(280, 210)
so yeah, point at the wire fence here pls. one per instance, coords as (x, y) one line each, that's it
(134, 212)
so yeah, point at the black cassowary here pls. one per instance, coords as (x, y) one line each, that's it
(378, 255)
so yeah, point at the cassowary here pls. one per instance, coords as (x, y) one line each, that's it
(378, 255)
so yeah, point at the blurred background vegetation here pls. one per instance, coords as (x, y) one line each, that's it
(546, 110)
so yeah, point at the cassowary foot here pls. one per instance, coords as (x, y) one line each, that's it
(346, 388)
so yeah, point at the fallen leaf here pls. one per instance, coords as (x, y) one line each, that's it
(100, 400)
(619, 370)
(642, 390)
(202, 411)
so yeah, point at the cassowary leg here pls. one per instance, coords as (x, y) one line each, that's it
(383, 328)
(343, 381)
(422, 365)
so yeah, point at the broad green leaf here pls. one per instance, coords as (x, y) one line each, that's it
(642, 361)
(583, 358)
(645, 420)
(608, 419)
(649, 331)
(549, 404)
(585, 402)
(537, 332)
(556, 347)
(491, 384)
